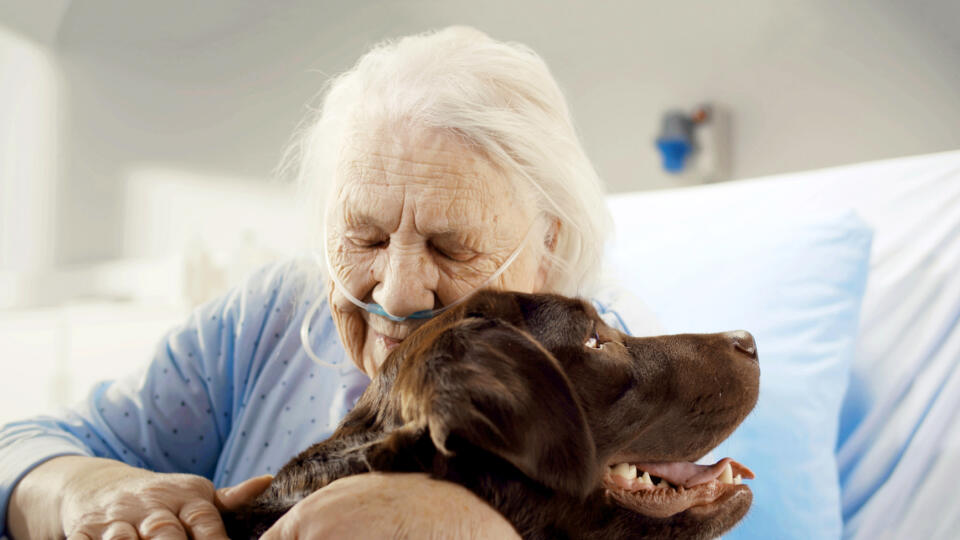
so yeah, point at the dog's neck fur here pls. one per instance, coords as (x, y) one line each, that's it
(531, 508)
(364, 442)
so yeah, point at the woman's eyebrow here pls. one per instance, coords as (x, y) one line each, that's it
(359, 219)
(466, 237)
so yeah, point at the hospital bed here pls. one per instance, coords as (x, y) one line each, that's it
(875, 244)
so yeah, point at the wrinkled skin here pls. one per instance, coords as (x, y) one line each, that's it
(103, 498)
(418, 219)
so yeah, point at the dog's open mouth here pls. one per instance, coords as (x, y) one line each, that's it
(663, 489)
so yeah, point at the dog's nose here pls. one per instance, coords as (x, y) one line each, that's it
(743, 342)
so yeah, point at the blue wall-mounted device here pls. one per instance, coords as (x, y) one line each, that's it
(677, 139)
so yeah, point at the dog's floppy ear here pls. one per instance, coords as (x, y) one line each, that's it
(488, 384)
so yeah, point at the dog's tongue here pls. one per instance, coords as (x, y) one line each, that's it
(686, 474)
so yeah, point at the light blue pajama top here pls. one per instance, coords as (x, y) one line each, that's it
(229, 395)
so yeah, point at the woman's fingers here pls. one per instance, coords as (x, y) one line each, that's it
(109, 499)
(162, 525)
(231, 498)
(196, 519)
(120, 530)
(202, 520)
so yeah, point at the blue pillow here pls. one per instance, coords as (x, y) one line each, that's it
(796, 284)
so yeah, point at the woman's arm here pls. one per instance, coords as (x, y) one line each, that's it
(162, 421)
(172, 419)
(84, 497)
(392, 505)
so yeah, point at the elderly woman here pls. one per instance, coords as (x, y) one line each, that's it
(448, 161)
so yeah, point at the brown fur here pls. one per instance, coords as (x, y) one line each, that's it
(500, 395)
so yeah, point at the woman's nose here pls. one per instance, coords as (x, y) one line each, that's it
(408, 282)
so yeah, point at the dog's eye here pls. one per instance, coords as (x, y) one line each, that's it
(594, 342)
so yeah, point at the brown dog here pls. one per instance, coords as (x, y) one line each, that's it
(548, 414)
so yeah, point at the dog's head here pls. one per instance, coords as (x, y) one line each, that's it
(581, 408)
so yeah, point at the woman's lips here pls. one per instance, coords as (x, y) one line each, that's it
(387, 342)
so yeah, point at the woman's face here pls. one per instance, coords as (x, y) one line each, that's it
(417, 221)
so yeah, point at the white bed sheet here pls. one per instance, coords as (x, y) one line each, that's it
(899, 454)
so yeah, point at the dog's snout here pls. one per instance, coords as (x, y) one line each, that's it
(743, 342)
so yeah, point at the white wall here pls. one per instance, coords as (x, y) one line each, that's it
(29, 145)
(219, 86)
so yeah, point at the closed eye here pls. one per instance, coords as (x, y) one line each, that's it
(454, 255)
(368, 241)
(452, 248)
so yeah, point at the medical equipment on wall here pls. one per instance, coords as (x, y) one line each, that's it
(695, 144)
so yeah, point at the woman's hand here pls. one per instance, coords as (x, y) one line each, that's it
(391, 505)
(87, 498)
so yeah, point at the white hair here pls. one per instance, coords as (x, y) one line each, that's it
(498, 98)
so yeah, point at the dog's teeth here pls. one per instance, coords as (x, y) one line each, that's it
(726, 476)
(645, 479)
(625, 470)
(663, 484)
(737, 480)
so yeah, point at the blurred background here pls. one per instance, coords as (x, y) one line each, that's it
(139, 140)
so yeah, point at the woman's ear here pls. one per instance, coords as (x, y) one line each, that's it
(551, 237)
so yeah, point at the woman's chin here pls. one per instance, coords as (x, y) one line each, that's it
(372, 360)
